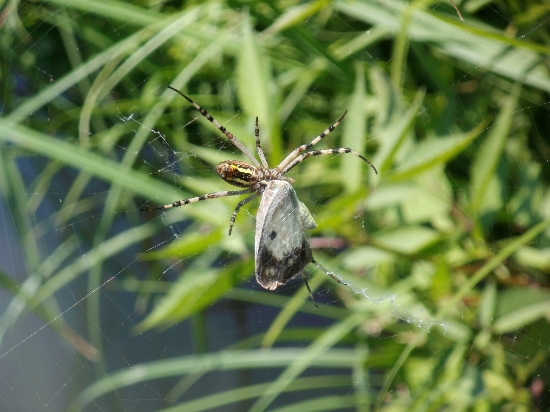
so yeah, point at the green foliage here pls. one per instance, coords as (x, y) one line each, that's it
(446, 250)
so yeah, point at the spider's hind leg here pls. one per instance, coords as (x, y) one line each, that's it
(207, 196)
(232, 138)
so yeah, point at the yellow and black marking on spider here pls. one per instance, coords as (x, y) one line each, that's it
(282, 248)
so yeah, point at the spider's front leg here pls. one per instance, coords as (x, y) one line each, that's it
(296, 152)
(341, 150)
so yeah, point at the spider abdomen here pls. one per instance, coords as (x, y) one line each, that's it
(238, 173)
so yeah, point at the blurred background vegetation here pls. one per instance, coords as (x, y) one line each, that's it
(447, 249)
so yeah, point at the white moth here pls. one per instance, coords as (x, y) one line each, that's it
(282, 247)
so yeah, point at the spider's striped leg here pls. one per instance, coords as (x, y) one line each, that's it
(341, 150)
(184, 202)
(232, 138)
(239, 205)
(331, 274)
(309, 290)
(258, 144)
(294, 154)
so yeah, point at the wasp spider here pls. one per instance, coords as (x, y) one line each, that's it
(254, 176)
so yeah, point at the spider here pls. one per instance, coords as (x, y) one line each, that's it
(254, 176)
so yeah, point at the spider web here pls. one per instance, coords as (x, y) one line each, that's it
(445, 252)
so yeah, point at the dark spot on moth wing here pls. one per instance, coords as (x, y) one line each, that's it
(273, 235)
(272, 271)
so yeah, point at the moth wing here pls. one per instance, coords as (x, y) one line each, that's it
(308, 222)
(282, 248)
